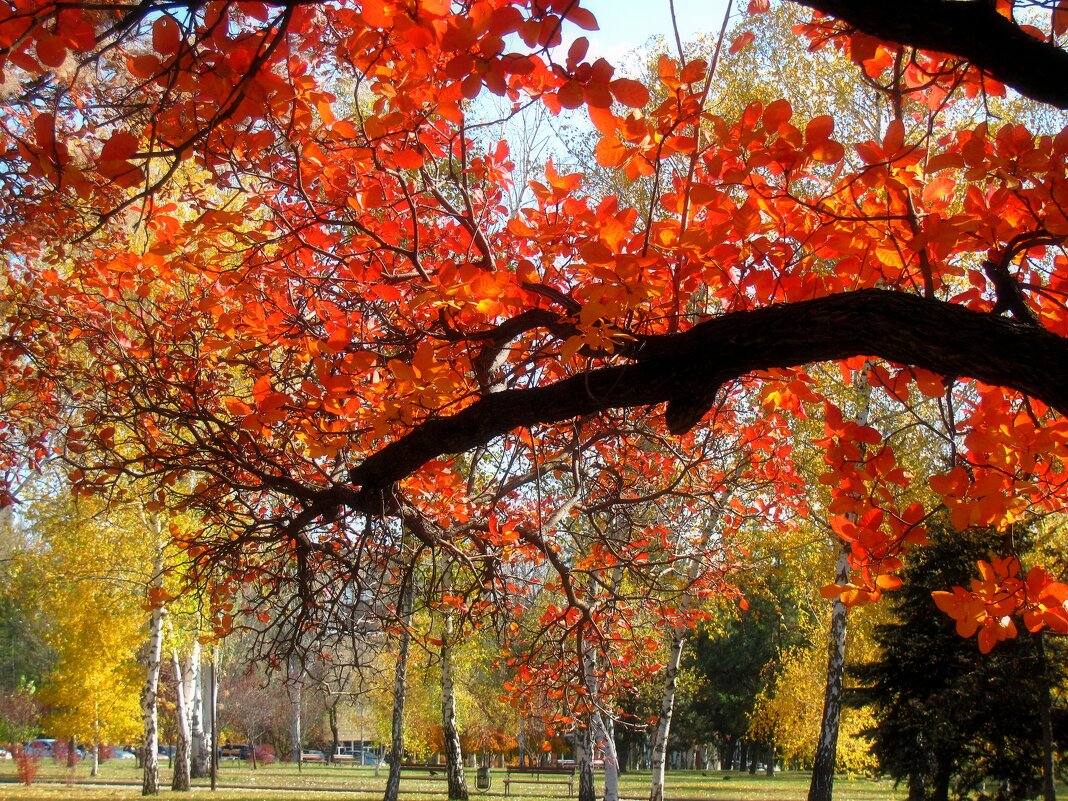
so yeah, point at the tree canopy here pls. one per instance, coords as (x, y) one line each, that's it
(260, 261)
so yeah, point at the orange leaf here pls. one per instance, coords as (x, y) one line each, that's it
(741, 42)
(819, 128)
(583, 18)
(629, 92)
(236, 407)
(831, 591)
(408, 159)
(888, 582)
(119, 147)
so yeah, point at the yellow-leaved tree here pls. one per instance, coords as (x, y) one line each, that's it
(95, 575)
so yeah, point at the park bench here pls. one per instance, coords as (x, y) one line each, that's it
(514, 774)
(423, 771)
(343, 759)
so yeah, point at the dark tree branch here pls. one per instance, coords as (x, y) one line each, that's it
(971, 29)
(907, 329)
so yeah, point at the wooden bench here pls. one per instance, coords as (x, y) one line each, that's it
(434, 773)
(535, 775)
(343, 759)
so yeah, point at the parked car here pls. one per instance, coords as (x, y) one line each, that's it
(5, 754)
(122, 753)
(365, 757)
(41, 747)
(311, 755)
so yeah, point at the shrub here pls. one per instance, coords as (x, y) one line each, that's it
(26, 766)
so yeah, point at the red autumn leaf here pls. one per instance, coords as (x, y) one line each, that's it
(121, 146)
(166, 35)
(51, 50)
(630, 92)
(582, 17)
(741, 42)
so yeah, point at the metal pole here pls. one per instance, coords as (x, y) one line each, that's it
(214, 727)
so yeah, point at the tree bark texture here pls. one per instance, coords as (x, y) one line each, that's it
(971, 29)
(150, 692)
(396, 750)
(454, 759)
(296, 734)
(335, 736)
(199, 757)
(604, 738)
(667, 708)
(822, 783)
(180, 779)
(584, 760)
(942, 337)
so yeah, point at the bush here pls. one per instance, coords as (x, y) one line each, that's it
(265, 754)
(26, 766)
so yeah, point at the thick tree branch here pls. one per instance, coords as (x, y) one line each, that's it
(971, 29)
(907, 329)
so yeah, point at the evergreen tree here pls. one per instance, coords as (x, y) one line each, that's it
(953, 721)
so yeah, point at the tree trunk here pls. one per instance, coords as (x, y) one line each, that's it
(822, 783)
(397, 739)
(296, 735)
(1049, 791)
(943, 773)
(153, 655)
(606, 737)
(454, 761)
(331, 719)
(916, 790)
(72, 752)
(667, 708)
(522, 740)
(180, 780)
(769, 769)
(584, 760)
(199, 751)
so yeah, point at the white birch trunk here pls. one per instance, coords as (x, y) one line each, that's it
(822, 784)
(584, 760)
(454, 760)
(606, 735)
(663, 723)
(180, 779)
(198, 763)
(150, 692)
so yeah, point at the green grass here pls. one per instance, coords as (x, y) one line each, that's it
(323, 782)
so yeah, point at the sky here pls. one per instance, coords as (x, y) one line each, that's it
(627, 24)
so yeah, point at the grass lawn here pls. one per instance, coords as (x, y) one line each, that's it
(238, 782)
